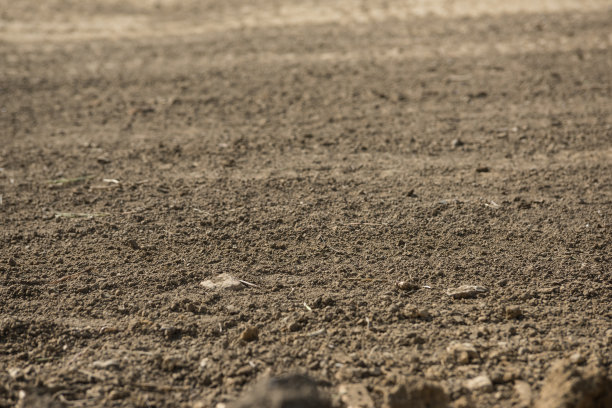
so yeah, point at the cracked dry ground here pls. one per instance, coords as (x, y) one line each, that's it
(322, 151)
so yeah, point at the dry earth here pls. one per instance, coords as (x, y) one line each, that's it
(322, 151)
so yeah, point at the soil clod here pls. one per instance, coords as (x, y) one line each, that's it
(569, 386)
(416, 393)
(406, 285)
(295, 391)
(466, 291)
(249, 334)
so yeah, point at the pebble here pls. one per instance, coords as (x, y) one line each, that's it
(413, 312)
(462, 353)
(456, 143)
(523, 390)
(481, 383)
(577, 358)
(222, 281)
(250, 334)
(513, 312)
(15, 373)
(466, 291)
(405, 285)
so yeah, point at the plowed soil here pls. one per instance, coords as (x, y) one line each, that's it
(322, 152)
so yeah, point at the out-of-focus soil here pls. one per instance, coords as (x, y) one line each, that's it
(321, 151)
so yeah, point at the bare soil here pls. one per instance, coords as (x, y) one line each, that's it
(322, 152)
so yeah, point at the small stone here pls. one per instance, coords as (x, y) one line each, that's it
(106, 364)
(413, 312)
(482, 169)
(481, 383)
(513, 312)
(455, 143)
(172, 363)
(355, 396)
(204, 362)
(466, 291)
(170, 332)
(577, 358)
(222, 281)
(295, 326)
(416, 393)
(509, 376)
(462, 353)
(250, 334)
(115, 395)
(523, 390)
(16, 373)
(405, 285)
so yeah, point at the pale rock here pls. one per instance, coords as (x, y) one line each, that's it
(482, 383)
(523, 390)
(222, 281)
(466, 291)
(462, 353)
(577, 358)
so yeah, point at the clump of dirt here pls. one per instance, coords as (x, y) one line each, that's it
(570, 386)
(416, 393)
(289, 391)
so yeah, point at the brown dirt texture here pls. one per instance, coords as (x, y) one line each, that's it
(403, 202)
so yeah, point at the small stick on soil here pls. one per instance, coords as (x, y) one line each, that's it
(248, 283)
(307, 307)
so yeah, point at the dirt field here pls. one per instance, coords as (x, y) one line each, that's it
(322, 152)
